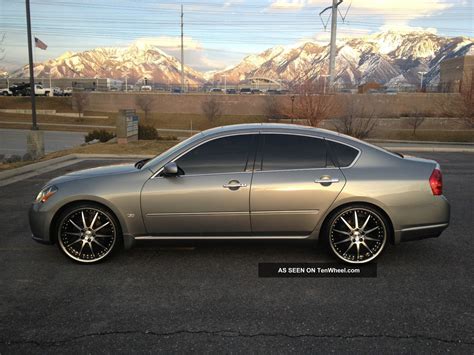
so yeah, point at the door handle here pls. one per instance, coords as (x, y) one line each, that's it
(234, 185)
(326, 180)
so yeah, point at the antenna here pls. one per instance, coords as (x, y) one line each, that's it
(332, 53)
(182, 52)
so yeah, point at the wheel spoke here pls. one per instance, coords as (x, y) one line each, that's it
(99, 243)
(365, 223)
(343, 241)
(347, 224)
(102, 226)
(371, 230)
(356, 220)
(92, 251)
(93, 220)
(83, 219)
(74, 242)
(74, 234)
(342, 232)
(75, 225)
(350, 246)
(370, 238)
(103, 236)
(82, 247)
(358, 250)
(367, 247)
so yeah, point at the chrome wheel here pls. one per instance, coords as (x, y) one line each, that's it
(357, 235)
(87, 234)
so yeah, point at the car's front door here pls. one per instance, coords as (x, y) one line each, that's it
(211, 194)
(294, 183)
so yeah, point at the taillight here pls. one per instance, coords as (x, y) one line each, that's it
(436, 182)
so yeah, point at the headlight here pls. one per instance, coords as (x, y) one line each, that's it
(46, 193)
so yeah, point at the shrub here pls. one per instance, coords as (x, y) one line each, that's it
(147, 132)
(102, 135)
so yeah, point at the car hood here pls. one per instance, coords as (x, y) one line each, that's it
(94, 172)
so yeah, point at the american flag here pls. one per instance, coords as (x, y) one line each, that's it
(40, 44)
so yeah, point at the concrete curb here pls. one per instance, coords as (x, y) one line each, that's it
(55, 163)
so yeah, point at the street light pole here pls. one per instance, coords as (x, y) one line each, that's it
(421, 80)
(324, 83)
(126, 85)
(225, 83)
(292, 107)
(34, 126)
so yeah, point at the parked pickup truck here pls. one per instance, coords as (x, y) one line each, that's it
(40, 90)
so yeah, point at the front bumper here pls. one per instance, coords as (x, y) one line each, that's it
(40, 224)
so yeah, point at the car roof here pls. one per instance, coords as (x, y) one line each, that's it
(285, 128)
(252, 127)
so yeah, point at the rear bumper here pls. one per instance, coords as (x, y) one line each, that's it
(422, 232)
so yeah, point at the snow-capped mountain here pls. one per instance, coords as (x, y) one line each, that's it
(391, 57)
(138, 61)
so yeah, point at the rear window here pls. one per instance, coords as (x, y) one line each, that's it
(343, 154)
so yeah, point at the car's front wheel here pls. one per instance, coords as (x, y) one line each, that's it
(357, 234)
(87, 233)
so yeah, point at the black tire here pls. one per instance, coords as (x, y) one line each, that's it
(357, 234)
(77, 236)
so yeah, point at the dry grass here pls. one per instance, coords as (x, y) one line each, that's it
(132, 148)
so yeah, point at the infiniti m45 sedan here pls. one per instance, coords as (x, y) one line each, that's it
(252, 181)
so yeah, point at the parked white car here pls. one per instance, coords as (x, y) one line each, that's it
(6, 92)
(145, 88)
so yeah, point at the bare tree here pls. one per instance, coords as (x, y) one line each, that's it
(416, 121)
(467, 101)
(464, 109)
(80, 100)
(211, 108)
(272, 108)
(146, 103)
(311, 104)
(356, 121)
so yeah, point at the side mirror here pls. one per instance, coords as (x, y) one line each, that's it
(170, 169)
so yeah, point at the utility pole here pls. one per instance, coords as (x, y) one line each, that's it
(34, 127)
(332, 51)
(225, 83)
(182, 51)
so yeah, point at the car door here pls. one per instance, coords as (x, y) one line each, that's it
(210, 196)
(294, 183)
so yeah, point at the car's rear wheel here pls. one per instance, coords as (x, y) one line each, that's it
(87, 233)
(357, 234)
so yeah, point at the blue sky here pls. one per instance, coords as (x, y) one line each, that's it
(217, 33)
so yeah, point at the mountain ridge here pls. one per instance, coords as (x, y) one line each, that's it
(389, 57)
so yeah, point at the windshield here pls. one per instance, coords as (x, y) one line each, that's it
(152, 162)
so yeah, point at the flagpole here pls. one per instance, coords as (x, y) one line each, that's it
(32, 74)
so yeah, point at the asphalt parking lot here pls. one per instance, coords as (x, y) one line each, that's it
(207, 297)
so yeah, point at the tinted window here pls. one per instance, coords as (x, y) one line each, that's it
(344, 154)
(223, 155)
(282, 152)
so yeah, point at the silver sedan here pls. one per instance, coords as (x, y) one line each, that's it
(254, 181)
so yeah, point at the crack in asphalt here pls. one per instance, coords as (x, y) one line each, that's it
(234, 334)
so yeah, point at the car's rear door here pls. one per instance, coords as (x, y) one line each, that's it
(294, 183)
(211, 197)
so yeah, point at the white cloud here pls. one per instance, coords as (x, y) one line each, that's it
(170, 42)
(390, 11)
(195, 54)
(288, 4)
